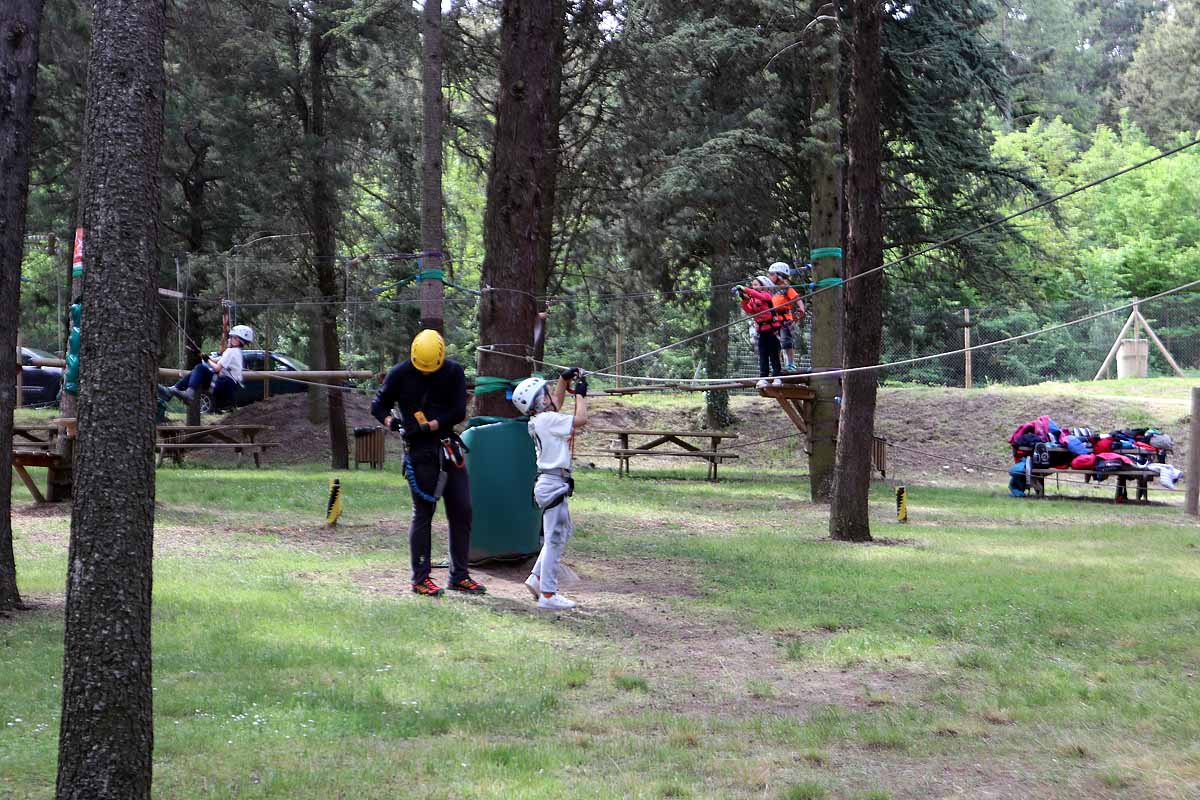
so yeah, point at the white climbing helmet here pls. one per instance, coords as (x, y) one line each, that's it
(243, 332)
(527, 392)
(763, 281)
(779, 268)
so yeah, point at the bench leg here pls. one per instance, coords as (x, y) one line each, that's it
(1143, 491)
(1039, 487)
(257, 463)
(29, 484)
(1122, 490)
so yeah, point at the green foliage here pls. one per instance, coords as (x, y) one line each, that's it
(1133, 236)
(1160, 86)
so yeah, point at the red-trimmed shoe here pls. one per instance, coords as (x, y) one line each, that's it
(427, 588)
(469, 586)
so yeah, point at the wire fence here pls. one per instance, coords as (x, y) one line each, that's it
(378, 313)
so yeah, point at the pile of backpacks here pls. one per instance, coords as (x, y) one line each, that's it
(1055, 447)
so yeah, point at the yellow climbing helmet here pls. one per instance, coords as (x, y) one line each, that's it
(428, 351)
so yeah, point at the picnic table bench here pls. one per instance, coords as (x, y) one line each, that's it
(175, 440)
(38, 446)
(1036, 476)
(626, 451)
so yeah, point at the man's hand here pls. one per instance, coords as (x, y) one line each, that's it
(428, 427)
(392, 423)
(581, 387)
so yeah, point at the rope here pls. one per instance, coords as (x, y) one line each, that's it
(873, 367)
(832, 283)
(412, 482)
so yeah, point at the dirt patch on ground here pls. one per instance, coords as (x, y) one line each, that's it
(694, 660)
(937, 433)
(300, 440)
(51, 605)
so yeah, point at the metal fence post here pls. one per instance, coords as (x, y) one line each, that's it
(1192, 506)
(967, 347)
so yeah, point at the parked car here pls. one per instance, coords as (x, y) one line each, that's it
(41, 384)
(252, 391)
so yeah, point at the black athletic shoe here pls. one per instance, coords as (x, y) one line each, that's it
(186, 395)
(469, 586)
(427, 588)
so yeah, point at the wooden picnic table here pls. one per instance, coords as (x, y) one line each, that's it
(1036, 476)
(38, 446)
(242, 439)
(625, 451)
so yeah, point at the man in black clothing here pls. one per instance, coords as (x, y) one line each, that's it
(431, 396)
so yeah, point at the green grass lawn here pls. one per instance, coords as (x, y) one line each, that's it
(724, 648)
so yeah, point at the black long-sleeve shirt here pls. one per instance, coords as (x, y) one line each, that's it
(440, 396)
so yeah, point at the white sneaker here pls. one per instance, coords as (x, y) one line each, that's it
(761, 384)
(534, 586)
(777, 382)
(555, 602)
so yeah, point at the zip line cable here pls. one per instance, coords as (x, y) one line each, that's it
(871, 367)
(936, 246)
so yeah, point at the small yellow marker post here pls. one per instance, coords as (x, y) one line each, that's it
(901, 505)
(334, 508)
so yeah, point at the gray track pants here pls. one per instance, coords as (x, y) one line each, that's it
(556, 529)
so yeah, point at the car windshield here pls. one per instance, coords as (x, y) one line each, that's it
(295, 363)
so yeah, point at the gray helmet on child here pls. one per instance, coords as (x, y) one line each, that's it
(525, 396)
(779, 268)
(243, 332)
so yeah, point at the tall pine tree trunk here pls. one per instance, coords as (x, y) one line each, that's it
(825, 231)
(716, 351)
(20, 22)
(106, 734)
(324, 231)
(517, 204)
(431, 169)
(849, 519)
(549, 183)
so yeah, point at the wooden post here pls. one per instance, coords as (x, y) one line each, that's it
(267, 358)
(1192, 506)
(20, 374)
(1162, 348)
(618, 367)
(967, 348)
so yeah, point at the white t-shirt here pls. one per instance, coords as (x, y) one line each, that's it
(231, 363)
(551, 432)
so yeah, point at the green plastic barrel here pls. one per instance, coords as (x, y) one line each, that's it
(502, 466)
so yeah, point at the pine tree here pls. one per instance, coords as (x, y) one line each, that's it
(20, 24)
(518, 198)
(106, 734)
(849, 517)
(1161, 85)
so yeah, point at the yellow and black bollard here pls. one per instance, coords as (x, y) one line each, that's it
(333, 509)
(901, 505)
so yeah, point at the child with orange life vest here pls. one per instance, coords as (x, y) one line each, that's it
(758, 303)
(788, 307)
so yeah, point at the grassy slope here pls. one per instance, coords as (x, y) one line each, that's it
(1003, 648)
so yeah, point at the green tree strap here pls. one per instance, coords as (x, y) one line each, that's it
(71, 378)
(431, 274)
(825, 252)
(827, 282)
(490, 384)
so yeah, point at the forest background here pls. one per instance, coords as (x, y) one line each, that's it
(685, 149)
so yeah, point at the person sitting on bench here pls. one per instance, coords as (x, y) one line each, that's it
(224, 375)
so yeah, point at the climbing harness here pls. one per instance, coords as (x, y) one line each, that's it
(451, 454)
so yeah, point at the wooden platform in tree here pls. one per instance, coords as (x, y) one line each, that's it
(796, 399)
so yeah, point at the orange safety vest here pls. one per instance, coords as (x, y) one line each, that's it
(789, 298)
